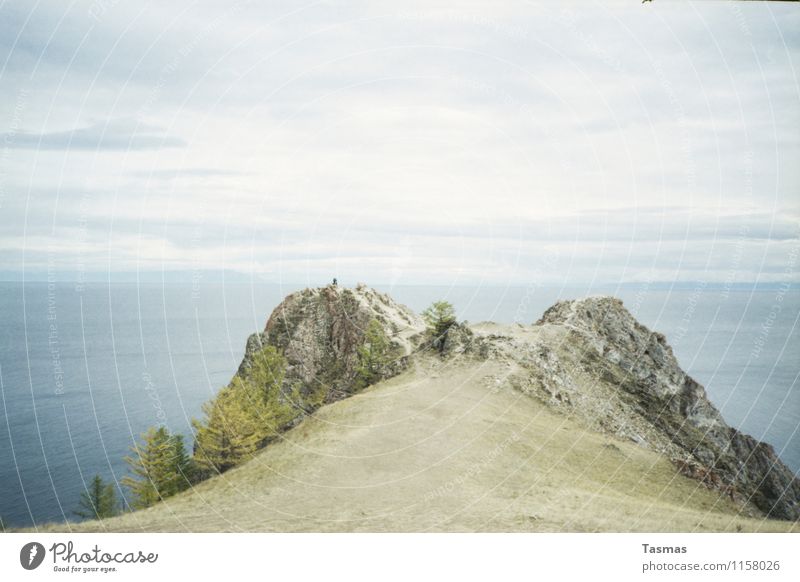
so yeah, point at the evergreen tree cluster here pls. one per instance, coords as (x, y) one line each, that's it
(161, 466)
(245, 415)
(241, 419)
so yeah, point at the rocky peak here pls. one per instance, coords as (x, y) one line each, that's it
(612, 331)
(320, 330)
(638, 390)
(607, 321)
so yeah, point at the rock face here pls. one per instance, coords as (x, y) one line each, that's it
(593, 358)
(320, 330)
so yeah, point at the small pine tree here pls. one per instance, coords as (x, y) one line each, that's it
(184, 473)
(439, 317)
(98, 501)
(373, 355)
(161, 467)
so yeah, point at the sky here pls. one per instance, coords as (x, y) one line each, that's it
(415, 142)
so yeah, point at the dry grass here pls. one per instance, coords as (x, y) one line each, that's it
(445, 447)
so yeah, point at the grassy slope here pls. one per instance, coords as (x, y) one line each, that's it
(438, 448)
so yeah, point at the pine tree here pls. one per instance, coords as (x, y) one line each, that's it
(161, 467)
(232, 431)
(373, 355)
(98, 501)
(243, 416)
(440, 317)
(184, 469)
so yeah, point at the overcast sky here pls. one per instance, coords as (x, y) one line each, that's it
(402, 142)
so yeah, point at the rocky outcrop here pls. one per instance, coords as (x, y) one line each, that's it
(593, 358)
(459, 339)
(589, 359)
(320, 330)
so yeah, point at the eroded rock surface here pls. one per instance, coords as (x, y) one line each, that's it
(320, 330)
(592, 359)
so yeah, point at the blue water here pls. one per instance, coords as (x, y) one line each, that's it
(84, 371)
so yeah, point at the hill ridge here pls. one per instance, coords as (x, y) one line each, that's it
(582, 421)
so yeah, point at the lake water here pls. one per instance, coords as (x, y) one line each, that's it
(84, 371)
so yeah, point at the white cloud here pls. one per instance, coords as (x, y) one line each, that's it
(416, 142)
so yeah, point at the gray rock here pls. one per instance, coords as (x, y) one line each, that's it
(646, 386)
(320, 330)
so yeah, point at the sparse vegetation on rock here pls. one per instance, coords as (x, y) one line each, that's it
(374, 355)
(321, 333)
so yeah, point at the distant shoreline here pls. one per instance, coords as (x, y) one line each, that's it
(238, 279)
